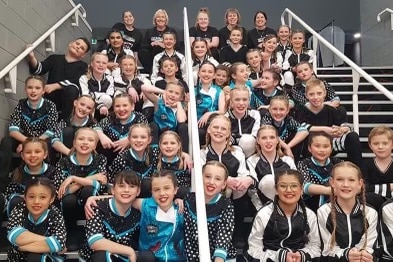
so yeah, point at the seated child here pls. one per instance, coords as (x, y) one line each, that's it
(36, 228)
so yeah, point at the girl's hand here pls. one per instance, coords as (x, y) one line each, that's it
(354, 255)
(133, 94)
(90, 202)
(244, 183)
(19, 148)
(63, 187)
(121, 144)
(49, 88)
(232, 183)
(31, 54)
(365, 256)
(101, 177)
(288, 152)
(104, 111)
(106, 142)
(202, 122)
(180, 204)
(187, 160)
(112, 66)
(132, 256)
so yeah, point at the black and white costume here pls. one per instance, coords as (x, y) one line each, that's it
(107, 223)
(50, 225)
(220, 225)
(274, 234)
(386, 231)
(349, 233)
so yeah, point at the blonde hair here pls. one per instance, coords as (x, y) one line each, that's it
(163, 11)
(226, 119)
(380, 130)
(333, 203)
(72, 150)
(148, 129)
(89, 73)
(314, 82)
(232, 10)
(202, 10)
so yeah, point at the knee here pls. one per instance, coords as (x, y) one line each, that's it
(288, 78)
(69, 202)
(72, 92)
(267, 186)
(182, 128)
(106, 100)
(87, 192)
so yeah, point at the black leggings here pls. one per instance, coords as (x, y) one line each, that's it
(64, 100)
(34, 257)
(72, 206)
(101, 256)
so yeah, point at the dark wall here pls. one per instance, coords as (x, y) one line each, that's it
(317, 13)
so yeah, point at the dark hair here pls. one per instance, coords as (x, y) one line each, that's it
(17, 175)
(198, 39)
(41, 181)
(35, 77)
(312, 135)
(300, 178)
(224, 68)
(169, 33)
(167, 58)
(276, 76)
(86, 41)
(260, 12)
(129, 177)
(166, 173)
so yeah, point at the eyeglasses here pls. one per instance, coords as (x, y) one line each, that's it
(292, 186)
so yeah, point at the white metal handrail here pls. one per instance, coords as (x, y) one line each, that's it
(11, 69)
(386, 10)
(357, 72)
(203, 237)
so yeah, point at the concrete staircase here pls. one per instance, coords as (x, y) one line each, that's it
(374, 107)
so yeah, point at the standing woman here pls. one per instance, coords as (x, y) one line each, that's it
(153, 40)
(202, 30)
(232, 19)
(131, 35)
(256, 35)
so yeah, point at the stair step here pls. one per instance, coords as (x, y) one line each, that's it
(350, 76)
(360, 93)
(360, 84)
(365, 102)
(372, 113)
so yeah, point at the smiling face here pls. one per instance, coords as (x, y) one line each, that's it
(125, 193)
(206, 73)
(173, 94)
(123, 107)
(236, 36)
(268, 140)
(254, 59)
(297, 40)
(260, 21)
(320, 148)
(128, 18)
(34, 90)
(83, 107)
(239, 101)
(170, 145)
(221, 77)
(163, 191)
(85, 141)
(232, 18)
(139, 138)
(284, 33)
(346, 183)
(214, 181)
(169, 68)
(128, 67)
(169, 40)
(278, 109)
(316, 96)
(289, 190)
(38, 198)
(116, 40)
(33, 154)
(160, 19)
(203, 20)
(269, 44)
(199, 48)
(219, 130)
(99, 63)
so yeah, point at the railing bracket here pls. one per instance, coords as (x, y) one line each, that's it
(10, 81)
(50, 43)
